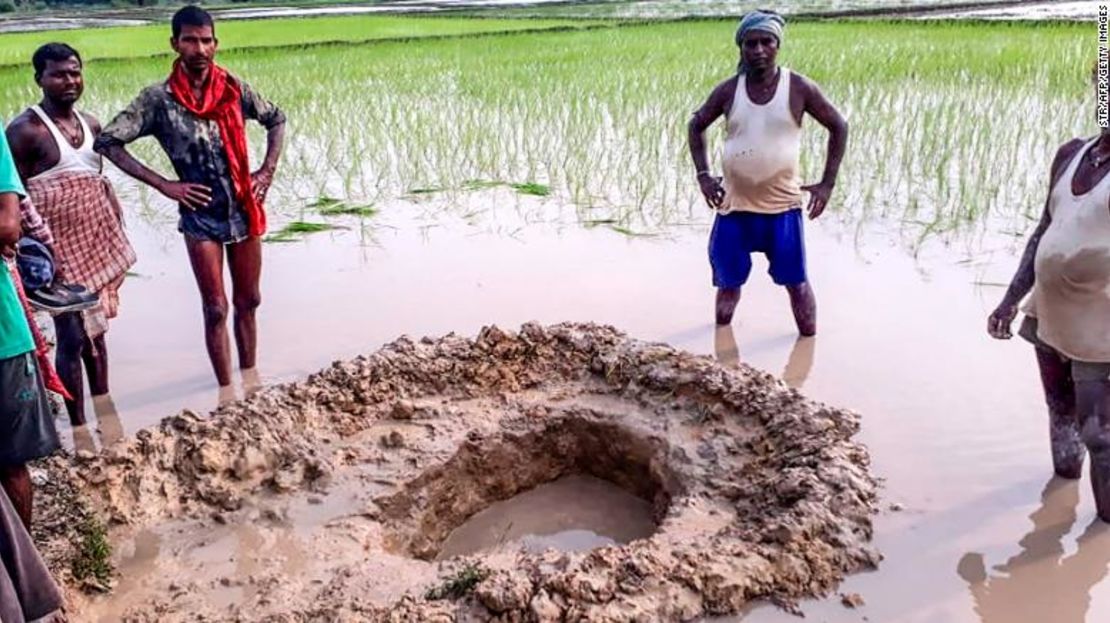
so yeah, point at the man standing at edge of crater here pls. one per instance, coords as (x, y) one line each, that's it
(759, 199)
(198, 116)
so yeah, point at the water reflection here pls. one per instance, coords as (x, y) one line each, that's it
(108, 422)
(83, 439)
(109, 428)
(798, 364)
(1041, 583)
(252, 382)
(225, 395)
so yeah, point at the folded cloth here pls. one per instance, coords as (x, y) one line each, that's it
(27, 590)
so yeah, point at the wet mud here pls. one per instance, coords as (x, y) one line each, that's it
(332, 498)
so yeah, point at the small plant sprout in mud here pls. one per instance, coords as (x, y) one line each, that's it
(459, 585)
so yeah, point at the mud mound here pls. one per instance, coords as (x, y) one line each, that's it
(757, 492)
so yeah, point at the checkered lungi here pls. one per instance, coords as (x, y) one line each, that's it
(89, 240)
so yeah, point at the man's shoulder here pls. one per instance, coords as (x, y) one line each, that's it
(155, 92)
(90, 119)
(26, 125)
(1065, 153)
(800, 80)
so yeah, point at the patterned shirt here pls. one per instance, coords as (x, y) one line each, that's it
(193, 146)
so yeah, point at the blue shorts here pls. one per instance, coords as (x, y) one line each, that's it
(737, 235)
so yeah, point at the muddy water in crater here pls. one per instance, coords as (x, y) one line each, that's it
(955, 421)
(574, 513)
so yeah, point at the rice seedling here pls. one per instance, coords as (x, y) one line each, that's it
(330, 206)
(532, 188)
(296, 230)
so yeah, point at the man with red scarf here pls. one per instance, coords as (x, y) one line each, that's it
(198, 116)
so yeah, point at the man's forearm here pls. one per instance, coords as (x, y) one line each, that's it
(127, 163)
(697, 148)
(275, 140)
(10, 228)
(1025, 276)
(837, 145)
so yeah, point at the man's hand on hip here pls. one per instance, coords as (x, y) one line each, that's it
(260, 184)
(818, 197)
(192, 196)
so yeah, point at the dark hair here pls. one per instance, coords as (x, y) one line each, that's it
(56, 52)
(191, 15)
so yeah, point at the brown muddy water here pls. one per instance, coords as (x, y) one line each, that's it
(954, 421)
(573, 514)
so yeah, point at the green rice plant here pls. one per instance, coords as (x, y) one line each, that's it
(532, 188)
(330, 206)
(296, 230)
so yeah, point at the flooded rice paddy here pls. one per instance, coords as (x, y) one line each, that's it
(937, 189)
(954, 421)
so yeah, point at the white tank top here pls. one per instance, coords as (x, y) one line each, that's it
(82, 158)
(1071, 295)
(760, 158)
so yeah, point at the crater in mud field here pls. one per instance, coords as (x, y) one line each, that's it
(616, 477)
(572, 514)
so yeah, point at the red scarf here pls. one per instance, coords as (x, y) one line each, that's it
(222, 102)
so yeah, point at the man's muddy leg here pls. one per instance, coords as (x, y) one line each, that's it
(207, 259)
(1063, 422)
(70, 330)
(1093, 405)
(245, 260)
(804, 304)
(95, 356)
(727, 299)
(16, 481)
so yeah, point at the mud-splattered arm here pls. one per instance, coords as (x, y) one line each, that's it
(1000, 321)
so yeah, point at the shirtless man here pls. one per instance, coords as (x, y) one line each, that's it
(759, 199)
(1066, 265)
(52, 143)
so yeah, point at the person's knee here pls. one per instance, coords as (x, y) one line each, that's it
(215, 313)
(247, 302)
(800, 290)
(1095, 435)
(69, 330)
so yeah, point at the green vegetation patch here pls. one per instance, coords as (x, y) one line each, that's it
(153, 40)
(330, 206)
(92, 560)
(296, 230)
(951, 124)
(460, 584)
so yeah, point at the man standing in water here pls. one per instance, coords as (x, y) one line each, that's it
(198, 116)
(1066, 265)
(759, 203)
(52, 143)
